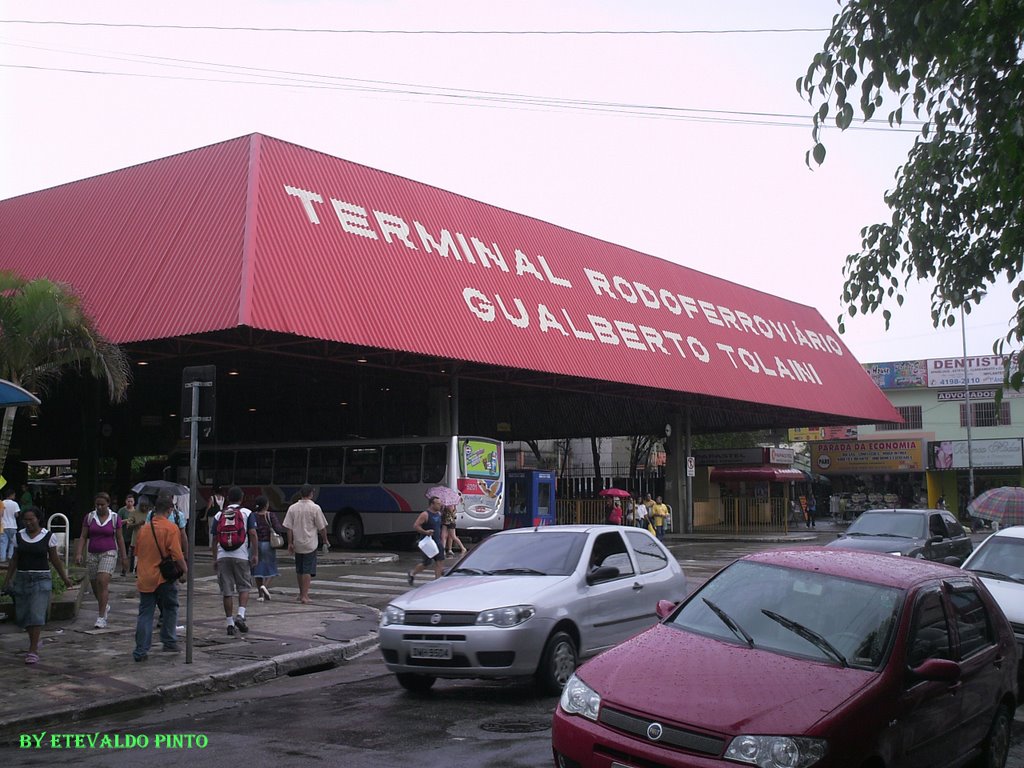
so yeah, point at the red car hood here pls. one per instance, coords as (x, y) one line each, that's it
(677, 676)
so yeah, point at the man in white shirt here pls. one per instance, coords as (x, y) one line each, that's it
(306, 526)
(9, 524)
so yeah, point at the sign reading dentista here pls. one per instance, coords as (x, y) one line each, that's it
(442, 274)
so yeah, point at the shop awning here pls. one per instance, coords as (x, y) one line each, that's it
(757, 475)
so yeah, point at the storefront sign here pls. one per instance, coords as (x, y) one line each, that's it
(807, 434)
(781, 455)
(952, 454)
(986, 370)
(729, 457)
(954, 395)
(904, 374)
(857, 456)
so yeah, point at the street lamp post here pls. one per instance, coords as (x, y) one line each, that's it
(970, 410)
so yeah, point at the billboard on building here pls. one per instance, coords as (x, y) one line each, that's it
(807, 434)
(953, 454)
(982, 370)
(869, 456)
(902, 374)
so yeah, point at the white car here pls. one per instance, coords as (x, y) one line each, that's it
(530, 602)
(999, 561)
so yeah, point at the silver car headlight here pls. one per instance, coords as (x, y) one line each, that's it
(392, 615)
(776, 751)
(505, 617)
(578, 698)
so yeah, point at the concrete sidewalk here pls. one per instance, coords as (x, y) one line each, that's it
(83, 671)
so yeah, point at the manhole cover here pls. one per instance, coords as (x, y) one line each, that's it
(529, 725)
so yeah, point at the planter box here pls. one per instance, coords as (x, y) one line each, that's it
(64, 608)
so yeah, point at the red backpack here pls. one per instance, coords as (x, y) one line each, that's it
(231, 532)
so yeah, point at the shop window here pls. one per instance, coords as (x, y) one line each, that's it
(989, 414)
(911, 419)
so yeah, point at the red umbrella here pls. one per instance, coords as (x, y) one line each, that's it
(615, 492)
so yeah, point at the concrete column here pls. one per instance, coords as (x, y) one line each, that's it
(675, 472)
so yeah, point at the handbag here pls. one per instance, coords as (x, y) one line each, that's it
(276, 539)
(428, 546)
(169, 568)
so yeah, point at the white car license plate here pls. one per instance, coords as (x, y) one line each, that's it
(431, 651)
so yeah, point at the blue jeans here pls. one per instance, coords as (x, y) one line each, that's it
(7, 543)
(166, 596)
(659, 531)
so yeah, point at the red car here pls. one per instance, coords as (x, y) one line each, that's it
(798, 658)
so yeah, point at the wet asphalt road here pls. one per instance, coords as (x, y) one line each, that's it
(357, 715)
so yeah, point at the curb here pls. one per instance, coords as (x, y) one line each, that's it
(285, 665)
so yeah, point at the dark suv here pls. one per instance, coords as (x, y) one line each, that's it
(929, 534)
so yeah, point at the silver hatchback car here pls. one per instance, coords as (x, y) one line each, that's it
(530, 602)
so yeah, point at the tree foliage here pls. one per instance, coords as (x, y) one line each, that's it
(44, 333)
(954, 66)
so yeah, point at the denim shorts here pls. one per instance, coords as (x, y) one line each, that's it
(305, 563)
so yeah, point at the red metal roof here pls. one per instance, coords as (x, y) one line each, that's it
(262, 233)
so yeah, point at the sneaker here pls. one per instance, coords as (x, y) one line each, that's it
(143, 657)
(101, 623)
(172, 648)
(259, 599)
(242, 626)
(231, 630)
(264, 592)
(410, 578)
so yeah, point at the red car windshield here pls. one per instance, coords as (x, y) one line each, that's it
(795, 612)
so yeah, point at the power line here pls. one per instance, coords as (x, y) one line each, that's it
(656, 112)
(327, 30)
(471, 97)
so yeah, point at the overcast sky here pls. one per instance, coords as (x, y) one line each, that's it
(689, 146)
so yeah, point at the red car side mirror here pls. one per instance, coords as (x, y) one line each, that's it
(664, 608)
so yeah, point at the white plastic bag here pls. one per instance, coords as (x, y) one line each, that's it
(428, 546)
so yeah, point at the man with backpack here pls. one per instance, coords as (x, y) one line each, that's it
(235, 550)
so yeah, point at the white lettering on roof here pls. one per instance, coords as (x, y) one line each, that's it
(664, 304)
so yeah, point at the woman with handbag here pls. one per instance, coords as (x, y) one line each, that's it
(271, 536)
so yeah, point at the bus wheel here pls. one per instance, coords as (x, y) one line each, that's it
(348, 532)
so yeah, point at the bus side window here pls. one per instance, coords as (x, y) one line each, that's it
(290, 466)
(362, 465)
(253, 467)
(325, 465)
(402, 463)
(435, 462)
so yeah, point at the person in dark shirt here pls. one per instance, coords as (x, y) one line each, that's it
(28, 578)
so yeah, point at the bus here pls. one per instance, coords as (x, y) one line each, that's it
(368, 489)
